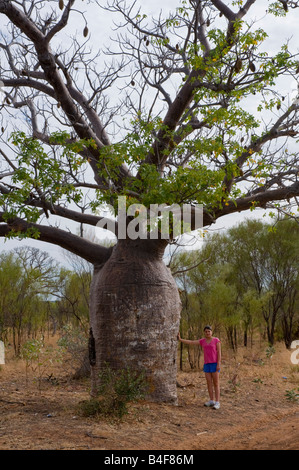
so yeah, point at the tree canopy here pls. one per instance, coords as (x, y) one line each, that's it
(188, 109)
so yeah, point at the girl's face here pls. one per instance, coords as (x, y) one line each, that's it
(208, 333)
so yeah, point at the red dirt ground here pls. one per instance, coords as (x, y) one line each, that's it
(255, 413)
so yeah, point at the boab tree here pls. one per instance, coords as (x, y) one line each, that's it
(188, 112)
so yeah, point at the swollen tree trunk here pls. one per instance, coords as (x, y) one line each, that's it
(135, 312)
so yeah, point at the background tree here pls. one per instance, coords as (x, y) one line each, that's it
(266, 260)
(251, 313)
(28, 277)
(72, 304)
(249, 282)
(9, 274)
(182, 131)
(282, 267)
(181, 264)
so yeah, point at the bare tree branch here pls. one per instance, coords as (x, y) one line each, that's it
(170, 74)
(92, 252)
(62, 94)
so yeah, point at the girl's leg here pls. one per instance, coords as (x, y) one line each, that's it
(209, 380)
(216, 383)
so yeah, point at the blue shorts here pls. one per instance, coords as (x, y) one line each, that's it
(211, 367)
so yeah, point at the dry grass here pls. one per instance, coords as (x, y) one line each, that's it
(255, 412)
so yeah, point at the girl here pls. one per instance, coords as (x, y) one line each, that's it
(212, 359)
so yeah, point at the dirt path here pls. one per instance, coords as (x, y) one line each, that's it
(254, 413)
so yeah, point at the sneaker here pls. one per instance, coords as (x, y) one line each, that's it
(210, 403)
(216, 405)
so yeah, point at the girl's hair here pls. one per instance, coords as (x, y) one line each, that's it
(207, 327)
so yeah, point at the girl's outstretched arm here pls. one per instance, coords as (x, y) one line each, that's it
(188, 341)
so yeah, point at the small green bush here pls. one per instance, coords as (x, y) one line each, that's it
(270, 351)
(40, 358)
(117, 389)
(89, 407)
(292, 395)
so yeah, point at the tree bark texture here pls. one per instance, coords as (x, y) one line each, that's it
(134, 315)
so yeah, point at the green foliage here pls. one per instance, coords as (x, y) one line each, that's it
(248, 283)
(30, 280)
(211, 133)
(89, 408)
(193, 184)
(39, 358)
(270, 351)
(258, 381)
(117, 389)
(43, 175)
(31, 350)
(278, 9)
(47, 172)
(74, 341)
(292, 395)
(27, 277)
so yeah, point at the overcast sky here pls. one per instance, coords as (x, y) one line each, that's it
(100, 25)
